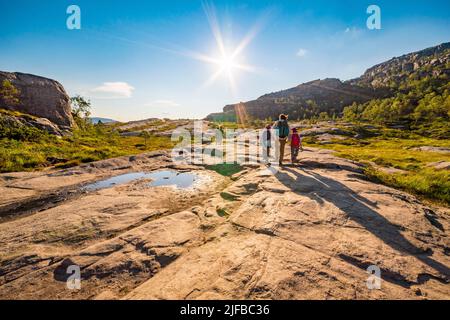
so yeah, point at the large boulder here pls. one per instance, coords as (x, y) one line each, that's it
(41, 97)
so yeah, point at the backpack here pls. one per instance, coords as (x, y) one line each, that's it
(283, 128)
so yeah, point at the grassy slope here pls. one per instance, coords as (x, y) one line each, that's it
(391, 148)
(394, 149)
(84, 146)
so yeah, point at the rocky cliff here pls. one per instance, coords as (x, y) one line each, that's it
(431, 62)
(303, 101)
(332, 95)
(40, 97)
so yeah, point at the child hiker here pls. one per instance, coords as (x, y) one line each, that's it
(296, 145)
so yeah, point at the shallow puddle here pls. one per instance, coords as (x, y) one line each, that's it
(182, 180)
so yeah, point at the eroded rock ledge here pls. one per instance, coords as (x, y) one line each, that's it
(306, 232)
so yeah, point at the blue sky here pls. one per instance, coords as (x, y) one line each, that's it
(135, 59)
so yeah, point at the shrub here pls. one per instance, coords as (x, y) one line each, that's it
(21, 132)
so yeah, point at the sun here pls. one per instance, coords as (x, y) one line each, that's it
(227, 63)
(228, 60)
(228, 66)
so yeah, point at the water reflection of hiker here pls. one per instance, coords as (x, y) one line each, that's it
(282, 130)
(267, 143)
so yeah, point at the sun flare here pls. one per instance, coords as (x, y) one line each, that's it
(227, 63)
(228, 60)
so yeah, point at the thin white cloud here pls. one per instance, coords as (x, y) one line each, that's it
(163, 103)
(302, 53)
(113, 90)
(353, 31)
(167, 103)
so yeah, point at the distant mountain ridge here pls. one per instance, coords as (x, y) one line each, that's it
(332, 95)
(96, 120)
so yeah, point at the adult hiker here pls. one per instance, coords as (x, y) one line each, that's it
(282, 129)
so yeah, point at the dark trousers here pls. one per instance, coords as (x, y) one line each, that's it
(282, 144)
(294, 153)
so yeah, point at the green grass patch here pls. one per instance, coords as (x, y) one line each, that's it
(395, 149)
(227, 125)
(222, 212)
(429, 183)
(17, 114)
(226, 169)
(37, 150)
(229, 197)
